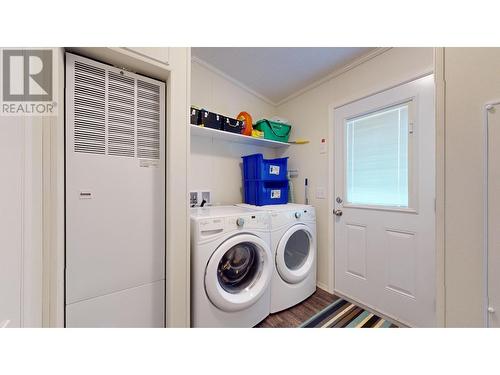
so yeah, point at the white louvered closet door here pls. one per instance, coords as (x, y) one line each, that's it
(115, 197)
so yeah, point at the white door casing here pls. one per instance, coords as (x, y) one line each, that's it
(385, 255)
(492, 212)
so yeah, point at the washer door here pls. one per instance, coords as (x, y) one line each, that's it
(295, 254)
(238, 272)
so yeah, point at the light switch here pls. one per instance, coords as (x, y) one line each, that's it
(323, 148)
(320, 192)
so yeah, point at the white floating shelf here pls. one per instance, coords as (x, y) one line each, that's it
(201, 131)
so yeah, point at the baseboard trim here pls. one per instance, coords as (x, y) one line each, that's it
(325, 287)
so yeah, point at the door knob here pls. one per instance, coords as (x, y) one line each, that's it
(337, 212)
(491, 310)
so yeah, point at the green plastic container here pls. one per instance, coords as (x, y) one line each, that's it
(274, 131)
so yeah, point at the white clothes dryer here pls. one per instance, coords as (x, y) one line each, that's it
(294, 252)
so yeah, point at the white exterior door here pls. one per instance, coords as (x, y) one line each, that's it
(493, 131)
(385, 202)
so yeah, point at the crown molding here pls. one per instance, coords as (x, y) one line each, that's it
(337, 72)
(220, 73)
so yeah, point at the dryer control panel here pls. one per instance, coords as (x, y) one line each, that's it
(279, 218)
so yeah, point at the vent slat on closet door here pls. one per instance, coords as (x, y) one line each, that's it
(148, 120)
(89, 109)
(115, 113)
(121, 113)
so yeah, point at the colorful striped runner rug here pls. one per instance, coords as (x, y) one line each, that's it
(343, 314)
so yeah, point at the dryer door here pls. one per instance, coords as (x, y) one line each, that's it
(295, 254)
(238, 272)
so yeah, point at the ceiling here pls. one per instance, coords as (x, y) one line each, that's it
(275, 73)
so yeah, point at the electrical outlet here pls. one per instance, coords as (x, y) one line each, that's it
(206, 196)
(293, 173)
(193, 198)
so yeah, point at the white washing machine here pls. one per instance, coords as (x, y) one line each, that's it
(294, 251)
(231, 267)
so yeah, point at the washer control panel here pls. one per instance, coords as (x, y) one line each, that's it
(256, 220)
(217, 225)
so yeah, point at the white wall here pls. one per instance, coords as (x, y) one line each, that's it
(309, 114)
(472, 79)
(215, 164)
(20, 222)
(11, 220)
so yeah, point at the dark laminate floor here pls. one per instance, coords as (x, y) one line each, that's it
(298, 314)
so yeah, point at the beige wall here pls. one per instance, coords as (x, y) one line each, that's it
(214, 92)
(309, 114)
(215, 164)
(472, 79)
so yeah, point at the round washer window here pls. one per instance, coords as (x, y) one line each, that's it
(297, 250)
(239, 267)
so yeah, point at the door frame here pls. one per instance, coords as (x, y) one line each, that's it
(438, 72)
(486, 299)
(32, 266)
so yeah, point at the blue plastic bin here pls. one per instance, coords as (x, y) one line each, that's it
(261, 193)
(255, 167)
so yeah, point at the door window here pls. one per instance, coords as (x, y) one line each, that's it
(377, 157)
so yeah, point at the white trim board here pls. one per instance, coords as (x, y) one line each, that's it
(323, 286)
(422, 74)
(341, 70)
(31, 270)
(220, 73)
(486, 109)
(337, 72)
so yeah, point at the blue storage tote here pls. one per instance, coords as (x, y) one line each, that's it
(261, 193)
(255, 167)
